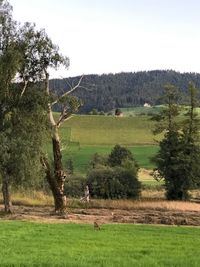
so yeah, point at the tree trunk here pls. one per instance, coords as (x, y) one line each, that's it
(6, 196)
(57, 180)
(59, 206)
(60, 198)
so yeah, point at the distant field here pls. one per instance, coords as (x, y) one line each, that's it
(135, 111)
(109, 130)
(138, 111)
(85, 135)
(83, 154)
(117, 245)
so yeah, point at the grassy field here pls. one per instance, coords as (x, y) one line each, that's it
(81, 155)
(108, 130)
(84, 135)
(31, 244)
(137, 111)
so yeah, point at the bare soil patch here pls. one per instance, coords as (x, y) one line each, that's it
(168, 215)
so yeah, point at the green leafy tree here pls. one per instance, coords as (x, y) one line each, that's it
(177, 160)
(94, 111)
(113, 183)
(41, 54)
(118, 155)
(23, 116)
(190, 137)
(115, 176)
(26, 55)
(96, 160)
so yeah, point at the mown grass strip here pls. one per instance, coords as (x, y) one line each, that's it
(31, 244)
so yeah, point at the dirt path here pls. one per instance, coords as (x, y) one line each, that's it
(102, 216)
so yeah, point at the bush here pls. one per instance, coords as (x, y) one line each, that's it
(115, 176)
(94, 111)
(113, 183)
(96, 160)
(131, 187)
(74, 186)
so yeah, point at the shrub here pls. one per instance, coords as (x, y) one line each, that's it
(96, 160)
(74, 186)
(113, 183)
(131, 187)
(114, 176)
(70, 166)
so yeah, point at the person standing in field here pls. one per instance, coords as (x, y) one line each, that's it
(86, 194)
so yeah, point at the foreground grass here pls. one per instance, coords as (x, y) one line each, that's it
(30, 244)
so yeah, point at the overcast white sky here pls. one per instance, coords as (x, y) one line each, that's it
(104, 36)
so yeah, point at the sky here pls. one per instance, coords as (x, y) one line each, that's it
(111, 36)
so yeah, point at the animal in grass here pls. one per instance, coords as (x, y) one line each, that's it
(96, 226)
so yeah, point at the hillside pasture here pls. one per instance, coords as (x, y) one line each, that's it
(109, 130)
(84, 135)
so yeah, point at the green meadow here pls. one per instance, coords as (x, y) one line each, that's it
(84, 135)
(117, 245)
(81, 155)
(109, 130)
(135, 111)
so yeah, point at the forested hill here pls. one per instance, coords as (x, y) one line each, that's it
(108, 91)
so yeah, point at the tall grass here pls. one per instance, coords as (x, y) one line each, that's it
(150, 199)
(30, 198)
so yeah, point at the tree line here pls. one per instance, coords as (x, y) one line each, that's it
(110, 91)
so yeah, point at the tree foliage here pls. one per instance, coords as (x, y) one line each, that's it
(26, 54)
(115, 176)
(107, 92)
(178, 157)
(118, 155)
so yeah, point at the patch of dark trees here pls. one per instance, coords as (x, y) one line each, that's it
(109, 91)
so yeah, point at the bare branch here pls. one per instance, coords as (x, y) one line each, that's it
(51, 117)
(70, 91)
(24, 88)
(83, 87)
(50, 113)
(64, 117)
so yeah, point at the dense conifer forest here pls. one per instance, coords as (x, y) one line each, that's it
(108, 91)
